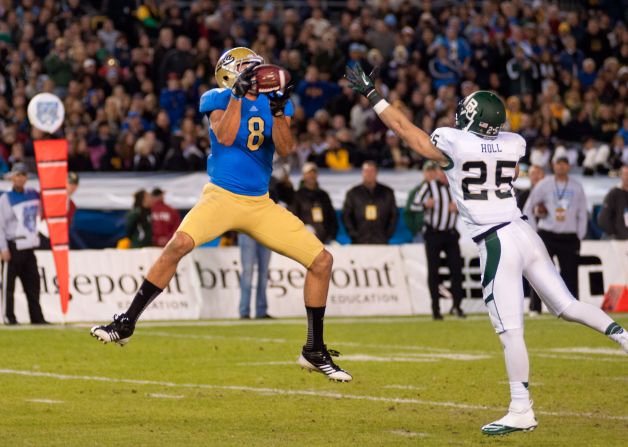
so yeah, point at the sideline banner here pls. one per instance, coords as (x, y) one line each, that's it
(103, 283)
(366, 281)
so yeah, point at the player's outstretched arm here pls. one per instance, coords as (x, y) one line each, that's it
(282, 136)
(418, 140)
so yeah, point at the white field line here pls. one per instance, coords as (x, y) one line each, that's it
(166, 396)
(579, 357)
(216, 337)
(404, 387)
(288, 392)
(397, 357)
(44, 401)
(587, 350)
(408, 434)
(353, 358)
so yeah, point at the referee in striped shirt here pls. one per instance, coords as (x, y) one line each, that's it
(440, 234)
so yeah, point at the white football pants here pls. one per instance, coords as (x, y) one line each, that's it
(506, 255)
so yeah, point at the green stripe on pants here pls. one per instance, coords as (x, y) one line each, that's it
(493, 253)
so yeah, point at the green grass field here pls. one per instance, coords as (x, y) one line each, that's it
(228, 383)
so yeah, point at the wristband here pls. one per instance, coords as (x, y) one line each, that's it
(381, 106)
(374, 97)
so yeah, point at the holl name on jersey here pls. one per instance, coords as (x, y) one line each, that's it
(490, 148)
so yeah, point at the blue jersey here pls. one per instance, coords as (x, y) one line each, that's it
(245, 166)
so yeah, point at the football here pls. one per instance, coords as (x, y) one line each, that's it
(271, 78)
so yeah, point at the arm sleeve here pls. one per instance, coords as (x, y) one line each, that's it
(215, 99)
(442, 143)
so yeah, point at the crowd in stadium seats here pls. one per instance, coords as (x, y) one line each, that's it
(131, 72)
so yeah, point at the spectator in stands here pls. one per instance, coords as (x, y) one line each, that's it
(145, 159)
(559, 204)
(59, 67)
(314, 93)
(172, 100)
(370, 211)
(138, 227)
(164, 219)
(113, 65)
(619, 152)
(313, 206)
(613, 217)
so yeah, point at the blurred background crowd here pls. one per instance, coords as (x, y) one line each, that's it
(131, 72)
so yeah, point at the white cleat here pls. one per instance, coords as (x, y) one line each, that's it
(516, 420)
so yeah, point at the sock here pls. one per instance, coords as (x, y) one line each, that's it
(315, 317)
(617, 333)
(588, 315)
(144, 296)
(519, 395)
(517, 366)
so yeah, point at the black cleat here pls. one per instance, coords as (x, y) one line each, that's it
(119, 331)
(320, 361)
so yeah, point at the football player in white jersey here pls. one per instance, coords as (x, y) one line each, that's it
(481, 163)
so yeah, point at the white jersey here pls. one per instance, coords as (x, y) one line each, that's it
(480, 175)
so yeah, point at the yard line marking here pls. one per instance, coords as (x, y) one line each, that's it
(408, 434)
(398, 357)
(45, 401)
(288, 392)
(216, 337)
(587, 350)
(578, 357)
(166, 396)
(404, 387)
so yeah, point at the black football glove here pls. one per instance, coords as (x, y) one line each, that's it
(363, 84)
(278, 102)
(244, 81)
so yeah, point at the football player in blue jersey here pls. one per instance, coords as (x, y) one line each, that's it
(246, 129)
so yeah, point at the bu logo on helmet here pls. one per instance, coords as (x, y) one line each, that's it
(470, 109)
